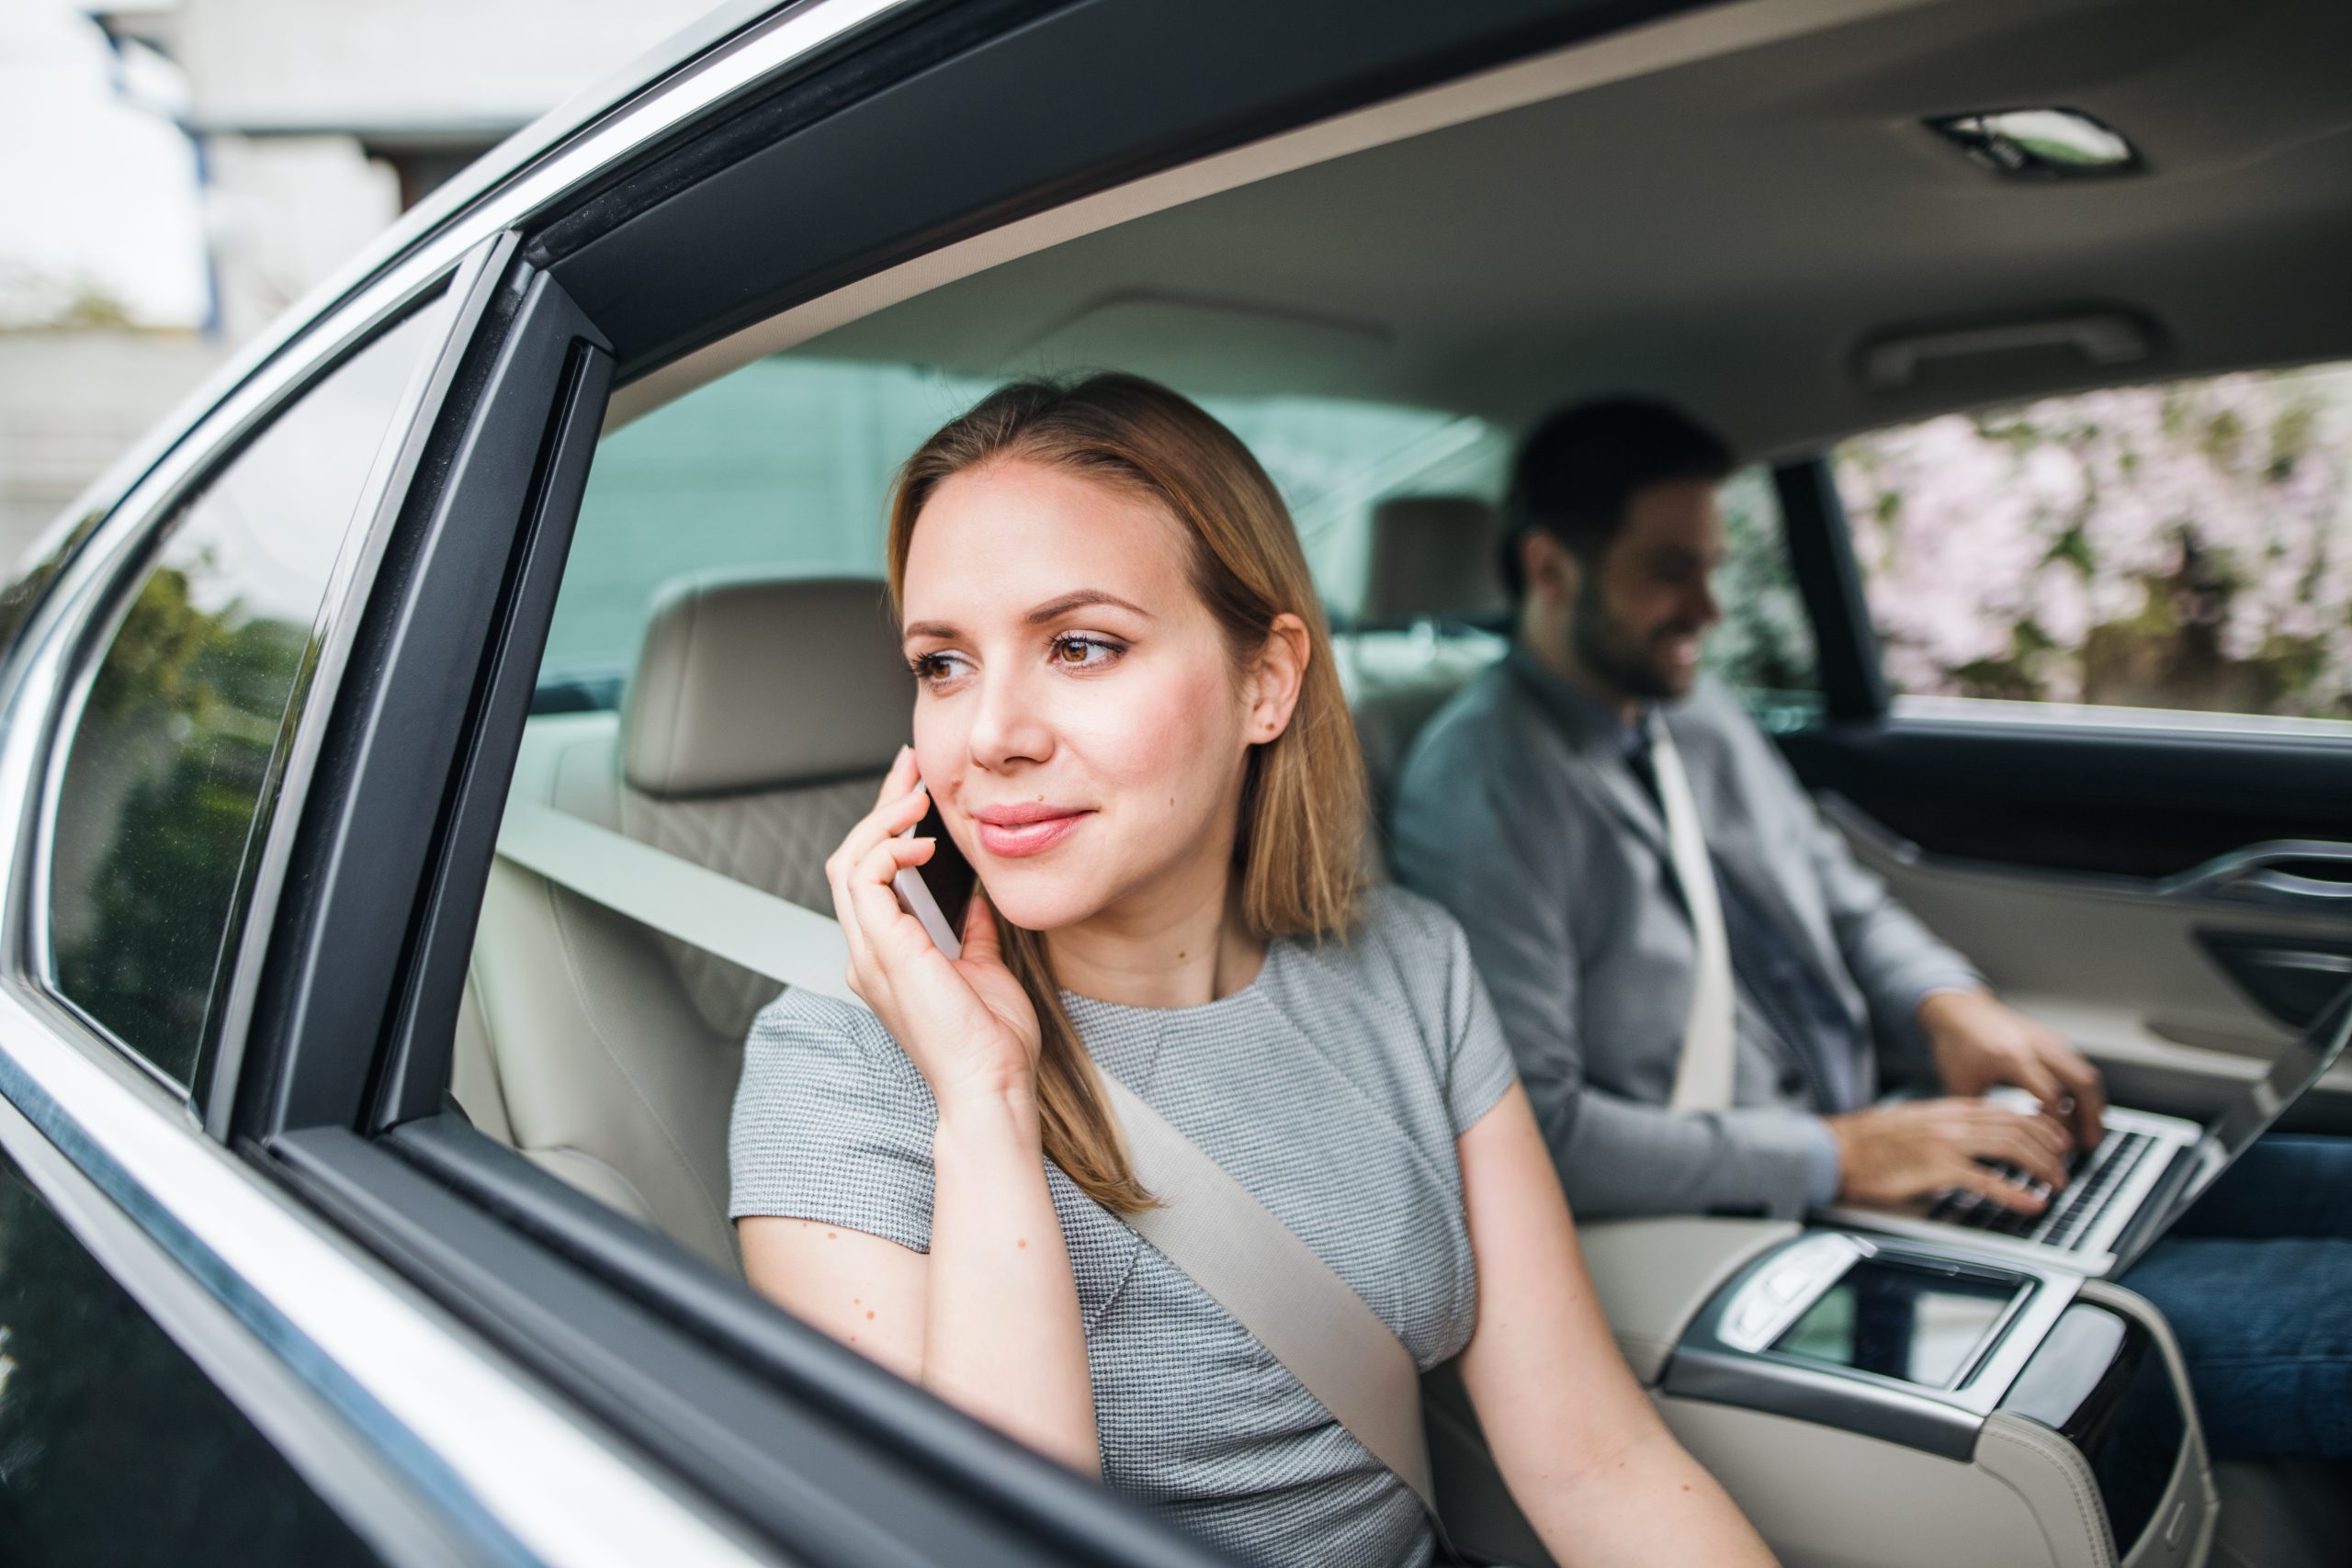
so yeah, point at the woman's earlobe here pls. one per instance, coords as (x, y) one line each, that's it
(1282, 672)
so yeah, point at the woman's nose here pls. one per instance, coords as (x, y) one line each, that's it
(1010, 724)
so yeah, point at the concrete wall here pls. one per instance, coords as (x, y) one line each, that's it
(70, 402)
(303, 65)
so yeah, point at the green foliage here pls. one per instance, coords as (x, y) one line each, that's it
(184, 720)
(1764, 643)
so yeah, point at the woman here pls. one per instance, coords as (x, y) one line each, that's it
(1126, 711)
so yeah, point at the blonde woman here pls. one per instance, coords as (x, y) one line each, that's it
(1127, 715)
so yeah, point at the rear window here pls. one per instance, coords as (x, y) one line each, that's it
(785, 465)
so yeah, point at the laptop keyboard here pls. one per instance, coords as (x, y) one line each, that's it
(2092, 1180)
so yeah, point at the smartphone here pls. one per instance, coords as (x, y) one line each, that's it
(939, 891)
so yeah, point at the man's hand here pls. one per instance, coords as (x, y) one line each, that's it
(1890, 1153)
(1976, 1043)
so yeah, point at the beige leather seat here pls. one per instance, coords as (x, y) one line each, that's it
(1432, 569)
(755, 730)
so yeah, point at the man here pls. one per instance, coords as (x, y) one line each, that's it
(1720, 1047)
(1527, 808)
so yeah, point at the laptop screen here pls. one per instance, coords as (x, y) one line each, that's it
(2297, 1068)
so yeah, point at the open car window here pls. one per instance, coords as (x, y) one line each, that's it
(1764, 647)
(2184, 546)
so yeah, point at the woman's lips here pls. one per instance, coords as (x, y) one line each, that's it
(1033, 835)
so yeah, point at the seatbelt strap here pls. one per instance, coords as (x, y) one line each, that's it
(1277, 1288)
(679, 898)
(1703, 1078)
(1208, 1225)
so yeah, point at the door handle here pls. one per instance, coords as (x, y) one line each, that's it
(2262, 874)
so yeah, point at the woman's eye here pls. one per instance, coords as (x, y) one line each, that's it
(933, 669)
(1074, 653)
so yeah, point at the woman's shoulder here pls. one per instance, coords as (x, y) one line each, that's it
(803, 1016)
(1404, 983)
(830, 1123)
(1401, 924)
(1401, 944)
(803, 1035)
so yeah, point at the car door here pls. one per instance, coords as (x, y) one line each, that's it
(2085, 660)
(165, 656)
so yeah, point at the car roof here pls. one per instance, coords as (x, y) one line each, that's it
(1734, 229)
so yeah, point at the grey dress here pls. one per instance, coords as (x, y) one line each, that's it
(1333, 1087)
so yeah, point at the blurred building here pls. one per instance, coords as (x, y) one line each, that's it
(319, 123)
(316, 123)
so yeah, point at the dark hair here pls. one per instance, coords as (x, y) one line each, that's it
(1577, 470)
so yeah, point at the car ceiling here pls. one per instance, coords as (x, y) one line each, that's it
(1730, 232)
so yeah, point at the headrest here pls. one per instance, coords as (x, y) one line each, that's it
(1432, 559)
(760, 682)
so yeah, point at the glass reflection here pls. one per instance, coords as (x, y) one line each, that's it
(173, 762)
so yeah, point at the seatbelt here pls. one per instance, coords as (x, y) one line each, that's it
(1703, 1078)
(1208, 1225)
(1277, 1288)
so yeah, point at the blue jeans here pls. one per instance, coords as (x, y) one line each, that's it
(2257, 1282)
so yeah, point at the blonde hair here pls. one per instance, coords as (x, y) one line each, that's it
(1299, 848)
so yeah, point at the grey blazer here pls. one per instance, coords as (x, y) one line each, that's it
(1517, 810)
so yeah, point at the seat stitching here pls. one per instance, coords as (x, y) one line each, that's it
(596, 1029)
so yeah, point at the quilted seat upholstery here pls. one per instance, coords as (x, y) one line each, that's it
(757, 725)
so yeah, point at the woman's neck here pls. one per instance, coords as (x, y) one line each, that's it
(1174, 948)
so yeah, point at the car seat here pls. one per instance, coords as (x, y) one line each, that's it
(1430, 587)
(755, 730)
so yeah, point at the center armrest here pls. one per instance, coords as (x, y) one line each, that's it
(1652, 1276)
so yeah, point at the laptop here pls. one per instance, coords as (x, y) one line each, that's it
(2124, 1194)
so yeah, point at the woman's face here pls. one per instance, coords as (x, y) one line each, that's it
(1078, 718)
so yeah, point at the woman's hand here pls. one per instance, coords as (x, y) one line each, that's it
(967, 1023)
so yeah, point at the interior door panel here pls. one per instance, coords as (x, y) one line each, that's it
(2173, 905)
(2088, 796)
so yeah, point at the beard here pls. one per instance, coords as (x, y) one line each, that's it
(1633, 665)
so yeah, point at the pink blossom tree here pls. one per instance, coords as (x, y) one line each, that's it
(2184, 546)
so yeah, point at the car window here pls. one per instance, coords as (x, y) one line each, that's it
(2184, 546)
(1763, 649)
(784, 466)
(174, 759)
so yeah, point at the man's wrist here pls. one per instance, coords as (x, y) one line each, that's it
(1927, 1006)
(1824, 1163)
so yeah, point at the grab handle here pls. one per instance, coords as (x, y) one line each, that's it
(2259, 873)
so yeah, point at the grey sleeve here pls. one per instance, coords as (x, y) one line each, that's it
(1508, 879)
(831, 1123)
(1480, 1069)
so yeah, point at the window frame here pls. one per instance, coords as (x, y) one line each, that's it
(254, 896)
(76, 626)
(1829, 581)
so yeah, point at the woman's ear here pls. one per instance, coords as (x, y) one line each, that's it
(1275, 683)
